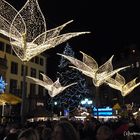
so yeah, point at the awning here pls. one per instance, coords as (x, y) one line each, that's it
(9, 99)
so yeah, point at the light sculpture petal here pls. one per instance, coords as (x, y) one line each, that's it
(89, 61)
(119, 84)
(89, 67)
(7, 14)
(120, 79)
(27, 30)
(46, 79)
(54, 88)
(104, 76)
(79, 65)
(129, 87)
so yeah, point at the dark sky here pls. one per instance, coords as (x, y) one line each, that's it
(113, 25)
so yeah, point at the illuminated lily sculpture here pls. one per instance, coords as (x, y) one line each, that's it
(28, 34)
(119, 84)
(54, 88)
(26, 29)
(89, 67)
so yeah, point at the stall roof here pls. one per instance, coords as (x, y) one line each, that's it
(9, 99)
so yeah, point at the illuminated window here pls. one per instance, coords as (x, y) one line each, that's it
(14, 67)
(133, 51)
(132, 65)
(137, 64)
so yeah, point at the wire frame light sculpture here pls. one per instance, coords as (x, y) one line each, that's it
(28, 34)
(27, 31)
(89, 67)
(54, 88)
(120, 84)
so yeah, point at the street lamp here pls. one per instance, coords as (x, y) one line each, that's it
(55, 103)
(86, 102)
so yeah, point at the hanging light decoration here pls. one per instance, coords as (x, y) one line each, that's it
(54, 88)
(27, 30)
(119, 83)
(90, 68)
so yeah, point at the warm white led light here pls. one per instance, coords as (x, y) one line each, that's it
(90, 68)
(27, 30)
(120, 84)
(54, 88)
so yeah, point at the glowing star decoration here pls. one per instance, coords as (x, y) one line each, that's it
(27, 30)
(120, 84)
(2, 85)
(90, 68)
(54, 88)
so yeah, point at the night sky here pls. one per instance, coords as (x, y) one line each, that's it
(113, 25)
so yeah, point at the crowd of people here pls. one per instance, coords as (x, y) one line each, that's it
(65, 129)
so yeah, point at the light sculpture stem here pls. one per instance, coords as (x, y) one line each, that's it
(22, 111)
(123, 102)
(24, 42)
(97, 101)
(3, 107)
(23, 95)
(52, 107)
(3, 110)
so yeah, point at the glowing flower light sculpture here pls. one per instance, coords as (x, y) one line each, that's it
(89, 67)
(99, 75)
(28, 34)
(54, 88)
(26, 29)
(119, 83)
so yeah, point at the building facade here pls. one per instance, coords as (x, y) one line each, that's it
(11, 69)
